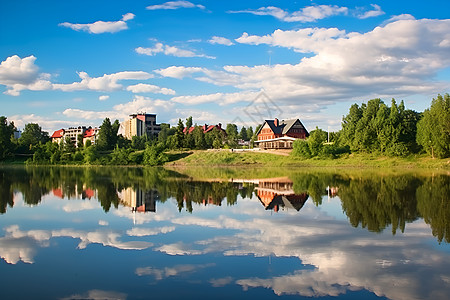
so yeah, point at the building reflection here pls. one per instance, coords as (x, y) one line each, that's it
(278, 193)
(74, 193)
(139, 200)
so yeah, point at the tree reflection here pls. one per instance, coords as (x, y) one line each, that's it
(370, 200)
(433, 203)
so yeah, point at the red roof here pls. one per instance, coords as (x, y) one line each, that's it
(206, 128)
(90, 132)
(58, 133)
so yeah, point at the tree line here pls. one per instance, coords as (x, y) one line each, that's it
(368, 128)
(111, 148)
(377, 128)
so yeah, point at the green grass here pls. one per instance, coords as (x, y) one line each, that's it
(226, 158)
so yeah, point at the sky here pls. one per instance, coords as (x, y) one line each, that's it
(74, 63)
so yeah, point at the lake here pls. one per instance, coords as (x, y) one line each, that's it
(253, 233)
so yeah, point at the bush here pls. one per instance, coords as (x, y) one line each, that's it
(301, 149)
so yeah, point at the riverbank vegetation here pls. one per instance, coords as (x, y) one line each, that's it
(372, 134)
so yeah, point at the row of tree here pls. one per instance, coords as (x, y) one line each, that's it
(377, 128)
(371, 128)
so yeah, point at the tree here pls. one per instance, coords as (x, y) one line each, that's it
(250, 133)
(6, 136)
(69, 146)
(189, 123)
(80, 141)
(433, 130)
(199, 138)
(232, 134)
(243, 134)
(179, 134)
(106, 136)
(316, 140)
(32, 135)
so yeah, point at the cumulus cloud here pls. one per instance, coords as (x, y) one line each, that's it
(169, 50)
(98, 295)
(371, 13)
(123, 110)
(220, 40)
(179, 72)
(149, 88)
(395, 60)
(103, 97)
(19, 74)
(175, 5)
(101, 26)
(177, 270)
(149, 231)
(105, 83)
(306, 14)
(218, 98)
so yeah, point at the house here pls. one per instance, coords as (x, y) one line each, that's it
(88, 133)
(140, 124)
(206, 128)
(57, 136)
(276, 193)
(275, 134)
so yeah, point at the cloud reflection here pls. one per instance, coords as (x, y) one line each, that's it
(98, 295)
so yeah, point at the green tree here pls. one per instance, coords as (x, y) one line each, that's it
(80, 141)
(6, 136)
(189, 123)
(433, 130)
(32, 135)
(106, 139)
(179, 134)
(199, 138)
(316, 140)
(249, 133)
(232, 135)
(243, 134)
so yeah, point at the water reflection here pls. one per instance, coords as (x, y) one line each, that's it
(371, 201)
(222, 232)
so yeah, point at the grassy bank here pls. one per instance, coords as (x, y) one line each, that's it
(227, 158)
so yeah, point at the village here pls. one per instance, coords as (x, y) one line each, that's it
(272, 134)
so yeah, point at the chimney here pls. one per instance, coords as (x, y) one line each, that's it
(275, 122)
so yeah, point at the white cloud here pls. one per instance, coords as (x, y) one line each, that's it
(307, 14)
(44, 122)
(371, 13)
(169, 50)
(391, 61)
(106, 83)
(103, 97)
(98, 295)
(398, 18)
(19, 74)
(149, 88)
(149, 231)
(175, 5)
(101, 26)
(177, 270)
(179, 72)
(221, 41)
(218, 98)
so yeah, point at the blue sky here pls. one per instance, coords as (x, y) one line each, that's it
(70, 63)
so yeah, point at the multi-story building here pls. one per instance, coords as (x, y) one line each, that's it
(140, 124)
(88, 133)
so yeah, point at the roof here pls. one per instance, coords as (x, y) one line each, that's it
(283, 126)
(58, 134)
(206, 128)
(90, 132)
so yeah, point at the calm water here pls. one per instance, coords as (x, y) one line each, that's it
(131, 233)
